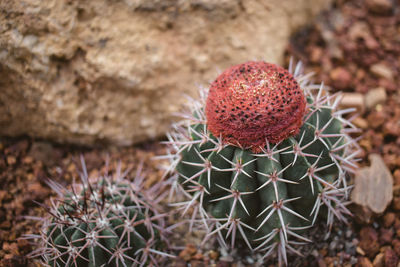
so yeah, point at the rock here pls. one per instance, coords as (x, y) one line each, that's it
(396, 176)
(102, 71)
(391, 259)
(353, 100)
(361, 30)
(364, 262)
(376, 119)
(396, 246)
(189, 251)
(213, 254)
(360, 123)
(382, 71)
(369, 241)
(373, 187)
(396, 203)
(379, 260)
(388, 219)
(341, 78)
(380, 6)
(374, 97)
(385, 236)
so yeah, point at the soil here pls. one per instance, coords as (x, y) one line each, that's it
(354, 47)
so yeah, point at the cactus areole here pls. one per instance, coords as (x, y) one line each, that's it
(255, 102)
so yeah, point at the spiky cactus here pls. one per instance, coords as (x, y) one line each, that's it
(109, 221)
(262, 155)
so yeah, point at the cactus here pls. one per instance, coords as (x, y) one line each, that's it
(106, 222)
(262, 155)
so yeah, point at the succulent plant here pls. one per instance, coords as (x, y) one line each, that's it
(262, 155)
(109, 221)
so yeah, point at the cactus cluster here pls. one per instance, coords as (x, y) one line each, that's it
(107, 221)
(261, 156)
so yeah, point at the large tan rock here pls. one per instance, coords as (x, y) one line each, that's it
(114, 71)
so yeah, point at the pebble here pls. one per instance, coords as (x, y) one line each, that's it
(364, 262)
(396, 177)
(353, 100)
(226, 258)
(380, 6)
(360, 123)
(374, 97)
(396, 203)
(213, 254)
(369, 241)
(378, 260)
(396, 246)
(382, 71)
(385, 235)
(11, 160)
(188, 252)
(390, 258)
(340, 77)
(388, 219)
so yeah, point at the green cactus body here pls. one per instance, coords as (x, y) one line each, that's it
(268, 194)
(109, 222)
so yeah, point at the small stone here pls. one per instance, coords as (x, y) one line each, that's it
(382, 71)
(226, 258)
(213, 254)
(373, 186)
(380, 6)
(360, 251)
(316, 54)
(360, 123)
(13, 248)
(11, 160)
(374, 97)
(38, 191)
(188, 252)
(353, 100)
(379, 260)
(385, 236)
(369, 241)
(364, 262)
(376, 119)
(396, 246)
(396, 177)
(179, 263)
(5, 225)
(23, 245)
(361, 30)
(389, 219)
(396, 203)
(341, 77)
(321, 262)
(197, 256)
(197, 263)
(392, 127)
(390, 259)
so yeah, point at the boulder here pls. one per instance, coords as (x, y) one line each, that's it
(114, 72)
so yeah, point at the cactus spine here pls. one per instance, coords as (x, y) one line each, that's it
(107, 222)
(262, 155)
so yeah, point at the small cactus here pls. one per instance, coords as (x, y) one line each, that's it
(262, 156)
(106, 222)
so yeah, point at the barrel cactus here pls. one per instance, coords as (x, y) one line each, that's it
(262, 155)
(109, 221)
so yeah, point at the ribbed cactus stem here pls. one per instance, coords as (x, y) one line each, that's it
(266, 159)
(108, 221)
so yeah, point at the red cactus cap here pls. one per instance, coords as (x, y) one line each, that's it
(253, 102)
